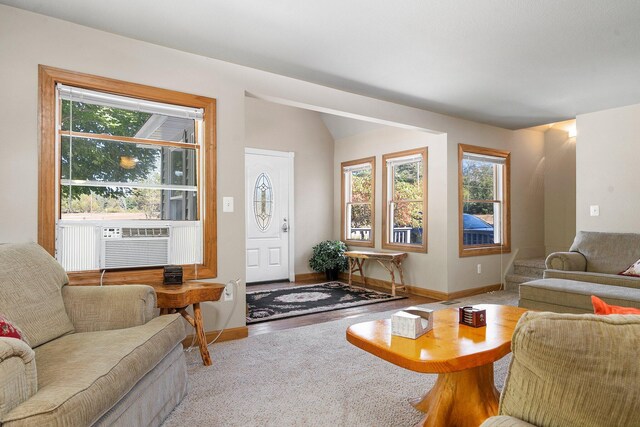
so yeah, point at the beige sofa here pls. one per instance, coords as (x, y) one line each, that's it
(93, 356)
(572, 370)
(590, 267)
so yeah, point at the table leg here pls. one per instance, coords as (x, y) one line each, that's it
(350, 269)
(202, 338)
(360, 263)
(464, 399)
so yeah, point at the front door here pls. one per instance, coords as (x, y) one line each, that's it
(267, 176)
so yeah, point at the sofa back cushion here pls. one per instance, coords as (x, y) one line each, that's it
(31, 284)
(608, 253)
(574, 370)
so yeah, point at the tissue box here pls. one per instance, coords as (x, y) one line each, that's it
(412, 322)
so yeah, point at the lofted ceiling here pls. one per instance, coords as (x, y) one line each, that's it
(510, 63)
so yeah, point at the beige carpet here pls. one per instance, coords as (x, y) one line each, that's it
(308, 376)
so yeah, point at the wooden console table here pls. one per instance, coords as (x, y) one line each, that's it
(388, 260)
(176, 298)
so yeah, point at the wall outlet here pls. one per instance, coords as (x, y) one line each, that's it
(227, 294)
(479, 268)
(594, 210)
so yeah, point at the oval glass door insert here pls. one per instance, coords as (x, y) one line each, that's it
(263, 202)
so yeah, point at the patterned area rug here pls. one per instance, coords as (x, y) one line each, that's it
(300, 300)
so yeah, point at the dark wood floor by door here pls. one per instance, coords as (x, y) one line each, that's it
(327, 316)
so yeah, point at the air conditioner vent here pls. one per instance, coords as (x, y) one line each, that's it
(128, 232)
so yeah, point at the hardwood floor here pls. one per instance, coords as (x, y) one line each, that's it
(327, 316)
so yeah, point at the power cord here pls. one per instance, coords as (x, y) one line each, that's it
(235, 284)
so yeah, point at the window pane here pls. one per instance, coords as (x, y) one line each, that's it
(407, 223)
(478, 180)
(92, 118)
(407, 181)
(359, 222)
(112, 161)
(361, 185)
(96, 203)
(479, 227)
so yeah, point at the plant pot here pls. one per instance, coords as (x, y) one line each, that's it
(332, 274)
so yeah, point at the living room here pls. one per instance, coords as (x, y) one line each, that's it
(263, 108)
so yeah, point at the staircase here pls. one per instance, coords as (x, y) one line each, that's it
(524, 270)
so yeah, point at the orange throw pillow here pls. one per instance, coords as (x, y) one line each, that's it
(601, 307)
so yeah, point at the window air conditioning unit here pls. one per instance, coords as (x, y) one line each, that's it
(125, 247)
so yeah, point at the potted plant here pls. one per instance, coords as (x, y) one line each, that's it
(328, 257)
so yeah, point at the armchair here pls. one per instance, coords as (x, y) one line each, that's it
(572, 371)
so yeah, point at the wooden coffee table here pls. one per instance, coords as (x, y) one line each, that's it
(176, 298)
(462, 356)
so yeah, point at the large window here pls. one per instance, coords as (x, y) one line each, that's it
(121, 160)
(483, 200)
(124, 159)
(404, 222)
(358, 202)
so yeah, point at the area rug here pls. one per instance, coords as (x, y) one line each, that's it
(299, 300)
(308, 376)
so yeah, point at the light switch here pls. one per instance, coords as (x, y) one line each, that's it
(594, 210)
(227, 204)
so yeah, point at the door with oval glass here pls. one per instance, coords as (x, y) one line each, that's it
(268, 180)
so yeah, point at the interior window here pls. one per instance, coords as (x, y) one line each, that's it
(358, 202)
(405, 188)
(484, 200)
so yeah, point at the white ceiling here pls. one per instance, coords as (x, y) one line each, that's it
(511, 63)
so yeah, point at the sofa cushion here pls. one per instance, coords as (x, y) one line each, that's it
(572, 293)
(607, 252)
(81, 376)
(30, 292)
(574, 370)
(602, 278)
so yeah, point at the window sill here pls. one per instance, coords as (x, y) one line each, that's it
(470, 251)
(147, 276)
(405, 248)
(365, 243)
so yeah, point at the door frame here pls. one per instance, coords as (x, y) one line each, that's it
(290, 211)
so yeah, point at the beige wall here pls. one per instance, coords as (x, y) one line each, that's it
(441, 269)
(527, 208)
(607, 153)
(422, 270)
(559, 190)
(28, 39)
(277, 127)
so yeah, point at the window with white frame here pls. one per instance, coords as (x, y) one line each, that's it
(484, 200)
(405, 196)
(358, 202)
(126, 159)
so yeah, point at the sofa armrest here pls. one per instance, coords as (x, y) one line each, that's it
(102, 308)
(18, 381)
(567, 261)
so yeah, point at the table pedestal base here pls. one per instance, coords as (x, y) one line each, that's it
(464, 398)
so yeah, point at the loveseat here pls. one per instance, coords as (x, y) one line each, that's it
(572, 370)
(590, 267)
(90, 355)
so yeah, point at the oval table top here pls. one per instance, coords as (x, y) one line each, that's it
(448, 347)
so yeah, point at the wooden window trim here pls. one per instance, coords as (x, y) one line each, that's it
(424, 152)
(479, 250)
(48, 77)
(343, 218)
